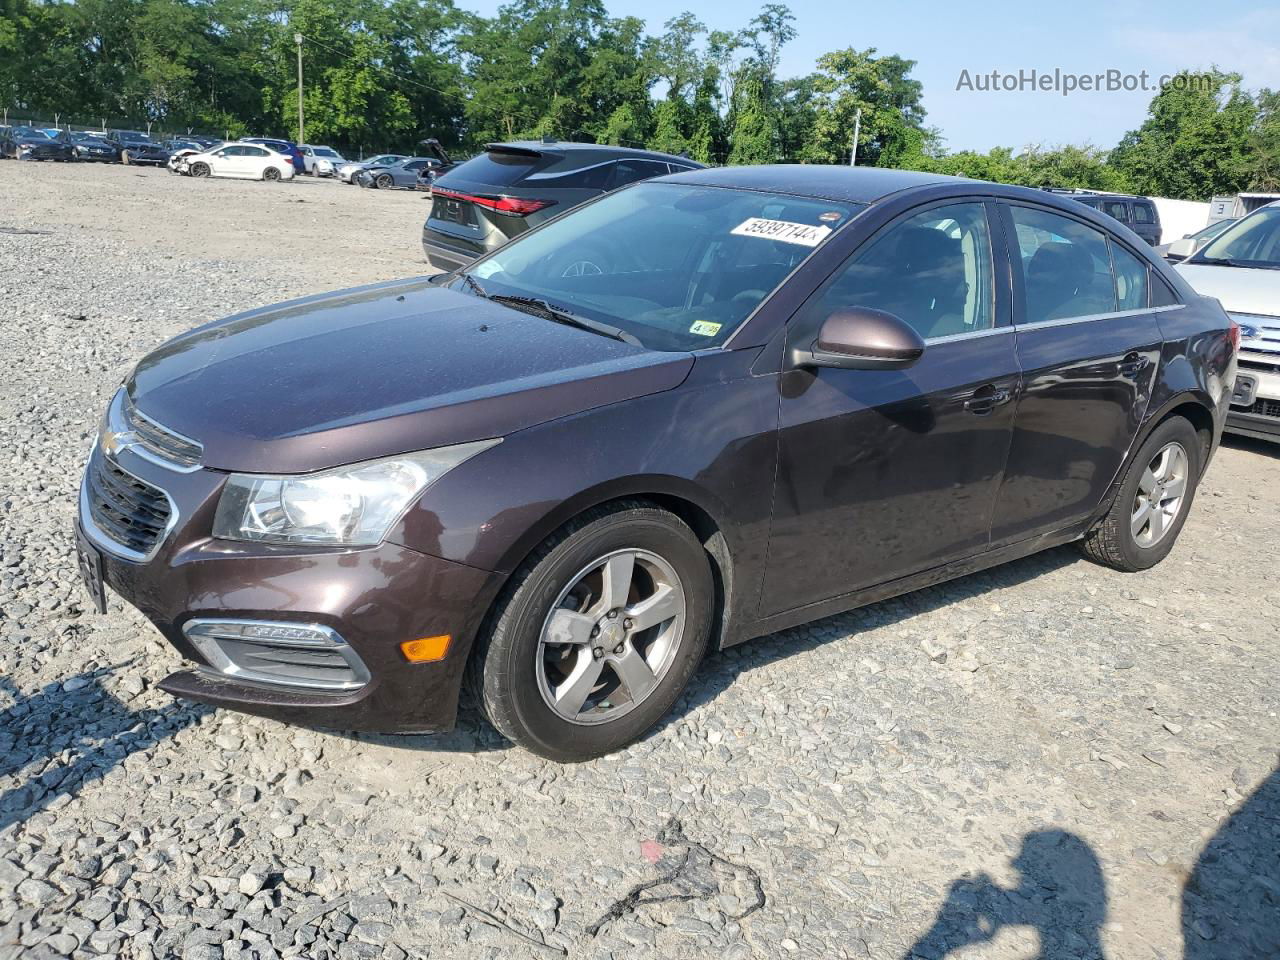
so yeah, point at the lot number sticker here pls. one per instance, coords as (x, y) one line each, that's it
(783, 230)
(705, 328)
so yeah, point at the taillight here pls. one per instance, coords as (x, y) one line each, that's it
(510, 206)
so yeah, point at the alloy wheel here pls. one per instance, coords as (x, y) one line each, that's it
(611, 636)
(1161, 491)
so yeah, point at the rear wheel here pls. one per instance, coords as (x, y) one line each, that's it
(199, 169)
(384, 182)
(1154, 499)
(599, 634)
(271, 174)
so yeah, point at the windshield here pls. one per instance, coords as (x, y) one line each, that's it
(30, 133)
(132, 136)
(678, 267)
(1251, 242)
(326, 152)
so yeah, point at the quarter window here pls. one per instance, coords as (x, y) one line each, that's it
(1131, 279)
(1066, 267)
(932, 270)
(1142, 213)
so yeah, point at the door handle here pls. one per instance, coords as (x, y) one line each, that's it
(1132, 365)
(985, 399)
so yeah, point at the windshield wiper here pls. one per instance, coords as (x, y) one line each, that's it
(473, 285)
(560, 315)
(1246, 264)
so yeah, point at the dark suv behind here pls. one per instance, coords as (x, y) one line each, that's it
(481, 204)
(1137, 213)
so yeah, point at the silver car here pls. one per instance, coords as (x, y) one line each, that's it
(347, 171)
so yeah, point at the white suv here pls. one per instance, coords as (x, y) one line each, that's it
(1242, 269)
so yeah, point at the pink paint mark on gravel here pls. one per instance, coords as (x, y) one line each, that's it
(651, 850)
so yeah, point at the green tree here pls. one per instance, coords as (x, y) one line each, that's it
(849, 81)
(1196, 140)
(753, 135)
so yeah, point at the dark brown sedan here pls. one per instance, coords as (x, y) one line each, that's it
(782, 392)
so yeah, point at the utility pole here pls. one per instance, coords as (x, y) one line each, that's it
(297, 38)
(857, 126)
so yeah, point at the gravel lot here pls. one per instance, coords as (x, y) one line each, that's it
(1048, 757)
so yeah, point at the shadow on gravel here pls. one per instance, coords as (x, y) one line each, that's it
(1062, 895)
(1231, 901)
(82, 720)
(719, 671)
(1263, 448)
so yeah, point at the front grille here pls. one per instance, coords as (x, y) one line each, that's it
(129, 511)
(1263, 407)
(161, 441)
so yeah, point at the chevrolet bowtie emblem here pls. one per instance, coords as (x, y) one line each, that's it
(113, 441)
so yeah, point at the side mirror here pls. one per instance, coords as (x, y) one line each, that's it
(861, 338)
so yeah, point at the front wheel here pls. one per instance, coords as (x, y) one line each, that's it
(598, 635)
(384, 182)
(199, 169)
(1155, 497)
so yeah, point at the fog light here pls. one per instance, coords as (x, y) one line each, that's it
(279, 653)
(426, 649)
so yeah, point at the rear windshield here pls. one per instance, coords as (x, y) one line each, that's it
(495, 169)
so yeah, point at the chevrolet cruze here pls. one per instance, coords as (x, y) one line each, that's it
(782, 392)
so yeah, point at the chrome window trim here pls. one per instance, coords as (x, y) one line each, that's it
(1095, 317)
(100, 538)
(226, 668)
(969, 335)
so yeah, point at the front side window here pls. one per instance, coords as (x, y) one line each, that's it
(679, 267)
(932, 270)
(1131, 278)
(1066, 267)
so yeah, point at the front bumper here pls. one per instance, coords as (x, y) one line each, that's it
(373, 598)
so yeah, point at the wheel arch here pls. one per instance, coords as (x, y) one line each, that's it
(1193, 406)
(700, 511)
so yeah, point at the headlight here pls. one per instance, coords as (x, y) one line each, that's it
(354, 505)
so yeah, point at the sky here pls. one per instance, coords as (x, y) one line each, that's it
(946, 38)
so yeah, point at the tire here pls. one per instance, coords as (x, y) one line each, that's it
(516, 675)
(125, 158)
(271, 174)
(384, 182)
(1136, 534)
(199, 170)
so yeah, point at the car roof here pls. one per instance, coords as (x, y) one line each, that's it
(851, 184)
(601, 150)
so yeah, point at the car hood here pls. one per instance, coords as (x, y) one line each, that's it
(374, 371)
(1241, 289)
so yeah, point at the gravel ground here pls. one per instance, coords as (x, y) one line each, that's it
(1047, 757)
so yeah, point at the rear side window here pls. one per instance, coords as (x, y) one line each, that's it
(495, 169)
(1143, 213)
(252, 152)
(1131, 278)
(629, 171)
(415, 164)
(1115, 208)
(1066, 267)
(595, 177)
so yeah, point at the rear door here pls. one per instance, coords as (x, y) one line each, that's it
(1088, 344)
(884, 473)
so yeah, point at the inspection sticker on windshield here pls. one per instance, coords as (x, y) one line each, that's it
(783, 230)
(705, 328)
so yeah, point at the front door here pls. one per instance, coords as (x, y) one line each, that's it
(1089, 346)
(886, 473)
